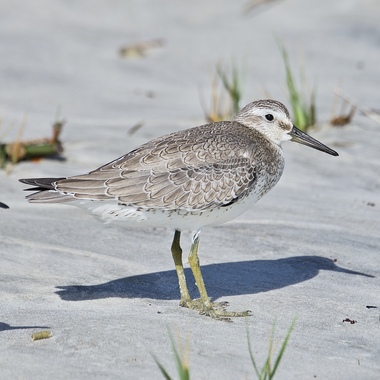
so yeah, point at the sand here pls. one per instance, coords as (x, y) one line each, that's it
(308, 250)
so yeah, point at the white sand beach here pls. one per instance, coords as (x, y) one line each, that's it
(310, 249)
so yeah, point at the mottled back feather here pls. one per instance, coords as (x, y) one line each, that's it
(196, 169)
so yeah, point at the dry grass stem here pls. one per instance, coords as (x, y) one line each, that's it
(372, 114)
(302, 101)
(226, 94)
(41, 335)
(140, 49)
(19, 150)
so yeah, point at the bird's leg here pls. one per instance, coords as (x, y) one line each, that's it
(204, 305)
(196, 269)
(177, 256)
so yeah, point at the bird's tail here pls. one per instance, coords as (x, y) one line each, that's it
(45, 191)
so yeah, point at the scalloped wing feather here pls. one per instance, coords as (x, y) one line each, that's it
(197, 169)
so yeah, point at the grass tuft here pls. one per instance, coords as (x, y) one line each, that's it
(268, 371)
(302, 101)
(226, 83)
(181, 357)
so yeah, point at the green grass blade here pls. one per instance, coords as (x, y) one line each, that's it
(251, 353)
(282, 349)
(313, 114)
(181, 362)
(232, 86)
(304, 112)
(267, 372)
(162, 369)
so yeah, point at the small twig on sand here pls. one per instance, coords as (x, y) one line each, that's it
(341, 119)
(19, 150)
(372, 114)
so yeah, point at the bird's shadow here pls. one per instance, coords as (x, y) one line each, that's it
(224, 279)
(6, 327)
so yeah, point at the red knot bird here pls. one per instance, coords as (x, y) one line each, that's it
(186, 180)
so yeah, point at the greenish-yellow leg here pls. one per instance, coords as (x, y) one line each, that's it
(177, 256)
(215, 310)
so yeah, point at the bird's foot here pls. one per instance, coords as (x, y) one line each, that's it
(216, 310)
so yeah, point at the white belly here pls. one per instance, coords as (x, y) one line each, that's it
(130, 216)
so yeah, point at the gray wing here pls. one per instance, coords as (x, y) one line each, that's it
(197, 169)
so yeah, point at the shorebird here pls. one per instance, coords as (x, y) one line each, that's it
(186, 180)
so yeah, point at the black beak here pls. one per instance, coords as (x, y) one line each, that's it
(305, 139)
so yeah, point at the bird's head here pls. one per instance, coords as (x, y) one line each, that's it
(272, 119)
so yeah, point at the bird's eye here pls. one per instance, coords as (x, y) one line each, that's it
(269, 117)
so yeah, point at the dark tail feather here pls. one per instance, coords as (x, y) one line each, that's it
(41, 184)
(45, 190)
